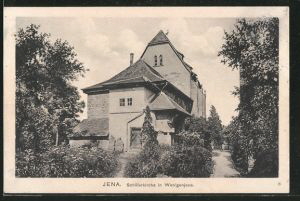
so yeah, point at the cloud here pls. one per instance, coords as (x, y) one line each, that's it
(129, 41)
(206, 43)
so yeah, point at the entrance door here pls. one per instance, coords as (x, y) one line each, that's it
(135, 138)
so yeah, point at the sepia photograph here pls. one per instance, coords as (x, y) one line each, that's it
(142, 102)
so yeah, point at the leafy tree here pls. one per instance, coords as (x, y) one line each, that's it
(199, 125)
(252, 47)
(46, 102)
(215, 127)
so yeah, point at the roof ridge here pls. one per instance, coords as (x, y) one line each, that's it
(123, 80)
(139, 70)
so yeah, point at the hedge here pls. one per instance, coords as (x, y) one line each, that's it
(63, 161)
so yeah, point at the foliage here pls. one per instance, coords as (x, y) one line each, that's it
(148, 133)
(266, 165)
(62, 161)
(145, 163)
(46, 102)
(187, 158)
(200, 127)
(215, 127)
(252, 47)
(208, 130)
(238, 145)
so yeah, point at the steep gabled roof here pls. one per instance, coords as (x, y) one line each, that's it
(164, 102)
(140, 71)
(159, 38)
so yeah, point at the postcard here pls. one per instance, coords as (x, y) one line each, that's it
(146, 100)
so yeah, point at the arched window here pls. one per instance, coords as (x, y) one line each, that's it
(155, 60)
(160, 60)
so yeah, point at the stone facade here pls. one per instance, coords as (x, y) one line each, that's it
(98, 105)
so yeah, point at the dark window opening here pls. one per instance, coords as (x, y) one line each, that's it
(160, 60)
(129, 101)
(155, 60)
(122, 101)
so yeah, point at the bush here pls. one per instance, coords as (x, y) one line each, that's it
(265, 165)
(239, 159)
(145, 164)
(67, 162)
(29, 164)
(188, 158)
(187, 161)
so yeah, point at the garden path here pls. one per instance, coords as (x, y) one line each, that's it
(223, 166)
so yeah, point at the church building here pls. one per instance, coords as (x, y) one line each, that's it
(160, 79)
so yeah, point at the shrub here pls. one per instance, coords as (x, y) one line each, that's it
(265, 165)
(188, 158)
(187, 161)
(67, 162)
(145, 164)
(28, 164)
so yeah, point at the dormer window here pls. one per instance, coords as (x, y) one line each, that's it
(160, 60)
(155, 60)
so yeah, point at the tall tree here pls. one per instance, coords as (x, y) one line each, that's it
(252, 47)
(200, 126)
(215, 127)
(149, 135)
(46, 102)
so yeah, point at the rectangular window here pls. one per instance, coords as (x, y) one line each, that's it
(122, 101)
(129, 101)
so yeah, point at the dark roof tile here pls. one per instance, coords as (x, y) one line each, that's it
(92, 127)
(140, 71)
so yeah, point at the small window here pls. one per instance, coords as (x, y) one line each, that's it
(155, 60)
(122, 101)
(129, 101)
(160, 60)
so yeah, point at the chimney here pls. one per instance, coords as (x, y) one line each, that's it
(131, 58)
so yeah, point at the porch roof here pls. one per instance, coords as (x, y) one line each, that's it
(164, 102)
(91, 127)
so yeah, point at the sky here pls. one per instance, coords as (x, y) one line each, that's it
(103, 45)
